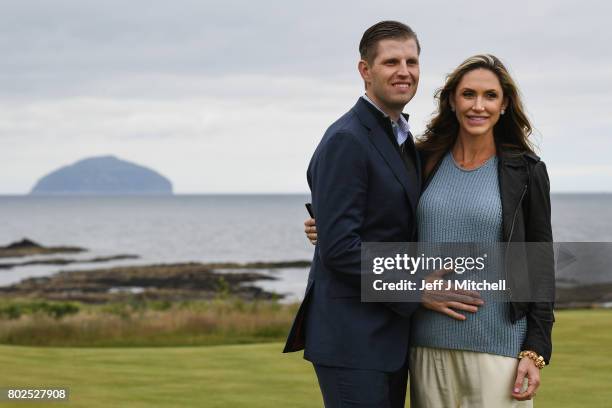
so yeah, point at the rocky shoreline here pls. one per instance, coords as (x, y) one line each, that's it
(584, 296)
(186, 281)
(171, 282)
(190, 281)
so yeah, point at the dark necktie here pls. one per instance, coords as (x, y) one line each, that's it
(408, 154)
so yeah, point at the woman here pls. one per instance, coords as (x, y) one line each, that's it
(483, 183)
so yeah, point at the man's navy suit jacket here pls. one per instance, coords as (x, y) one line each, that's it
(362, 191)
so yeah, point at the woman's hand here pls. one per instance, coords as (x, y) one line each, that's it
(445, 301)
(310, 228)
(526, 369)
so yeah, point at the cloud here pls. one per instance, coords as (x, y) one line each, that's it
(201, 143)
(208, 92)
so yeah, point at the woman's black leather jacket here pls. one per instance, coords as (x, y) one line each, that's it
(525, 196)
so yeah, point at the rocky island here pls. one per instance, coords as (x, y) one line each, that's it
(105, 175)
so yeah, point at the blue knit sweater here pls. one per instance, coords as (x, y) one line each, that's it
(465, 206)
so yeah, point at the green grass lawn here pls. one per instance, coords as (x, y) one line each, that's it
(260, 376)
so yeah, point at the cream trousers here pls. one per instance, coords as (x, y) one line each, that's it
(441, 378)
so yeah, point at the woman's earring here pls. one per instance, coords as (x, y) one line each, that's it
(503, 111)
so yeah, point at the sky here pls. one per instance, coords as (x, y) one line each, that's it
(233, 96)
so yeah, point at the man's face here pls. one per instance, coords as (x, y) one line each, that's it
(392, 78)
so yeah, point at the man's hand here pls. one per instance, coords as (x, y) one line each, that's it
(526, 369)
(310, 228)
(444, 301)
(441, 301)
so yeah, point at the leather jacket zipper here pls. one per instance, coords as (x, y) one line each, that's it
(511, 232)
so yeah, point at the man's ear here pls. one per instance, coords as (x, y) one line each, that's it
(364, 71)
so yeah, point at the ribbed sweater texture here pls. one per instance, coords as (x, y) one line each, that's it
(465, 206)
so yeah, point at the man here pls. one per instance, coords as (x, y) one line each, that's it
(365, 179)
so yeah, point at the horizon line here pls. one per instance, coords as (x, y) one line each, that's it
(225, 193)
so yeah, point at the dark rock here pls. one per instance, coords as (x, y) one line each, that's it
(64, 261)
(259, 265)
(24, 243)
(165, 281)
(27, 247)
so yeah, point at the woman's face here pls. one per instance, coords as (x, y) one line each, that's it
(478, 102)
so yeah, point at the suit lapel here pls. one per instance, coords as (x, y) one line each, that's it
(383, 145)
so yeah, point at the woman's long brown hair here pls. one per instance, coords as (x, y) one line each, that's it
(511, 131)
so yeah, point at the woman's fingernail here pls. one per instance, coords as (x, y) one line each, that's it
(517, 390)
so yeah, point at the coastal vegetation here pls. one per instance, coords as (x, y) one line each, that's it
(224, 320)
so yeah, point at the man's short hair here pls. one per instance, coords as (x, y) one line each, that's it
(381, 31)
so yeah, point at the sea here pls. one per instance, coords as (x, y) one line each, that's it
(212, 228)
